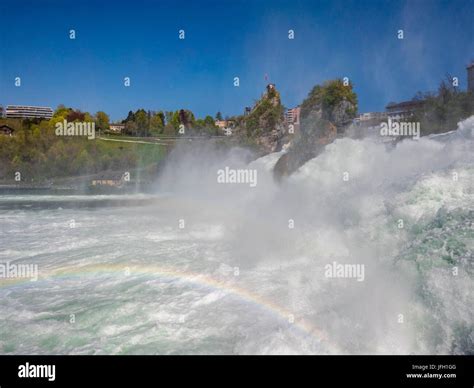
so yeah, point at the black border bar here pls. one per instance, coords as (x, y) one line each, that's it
(310, 371)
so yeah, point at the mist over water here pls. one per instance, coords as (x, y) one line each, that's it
(236, 278)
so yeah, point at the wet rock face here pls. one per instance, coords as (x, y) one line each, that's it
(264, 126)
(305, 147)
(270, 141)
(342, 115)
(327, 111)
(319, 127)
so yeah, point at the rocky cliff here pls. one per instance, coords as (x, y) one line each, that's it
(326, 112)
(264, 127)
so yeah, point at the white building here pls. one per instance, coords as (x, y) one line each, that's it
(118, 128)
(371, 116)
(292, 116)
(28, 112)
(403, 110)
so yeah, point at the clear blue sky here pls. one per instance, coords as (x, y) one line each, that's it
(226, 39)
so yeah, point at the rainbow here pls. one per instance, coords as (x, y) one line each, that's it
(304, 327)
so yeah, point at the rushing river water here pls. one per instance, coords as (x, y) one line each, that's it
(203, 267)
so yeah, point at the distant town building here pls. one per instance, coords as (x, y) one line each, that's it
(370, 118)
(470, 77)
(403, 110)
(222, 124)
(117, 128)
(6, 130)
(292, 116)
(28, 112)
(372, 115)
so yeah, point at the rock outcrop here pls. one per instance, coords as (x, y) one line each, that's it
(264, 127)
(325, 113)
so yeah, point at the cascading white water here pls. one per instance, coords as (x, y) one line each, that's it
(235, 278)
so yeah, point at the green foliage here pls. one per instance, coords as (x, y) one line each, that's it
(101, 120)
(131, 128)
(175, 121)
(205, 126)
(161, 115)
(168, 117)
(76, 115)
(61, 111)
(156, 124)
(144, 123)
(141, 120)
(36, 152)
(265, 116)
(130, 117)
(327, 97)
(442, 111)
(181, 117)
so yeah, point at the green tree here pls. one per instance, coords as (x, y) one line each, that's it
(156, 124)
(209, 125)
(102, 120)
(131, 128)
(328, 97)
(130, 117)
(61, 112)
(75, 115)
(169, 129)
(209, 121)
(186, 117)
(441, 111)
(175, 120)
(266, 115)
(141, 120)
(162, 117)
(168, 117)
